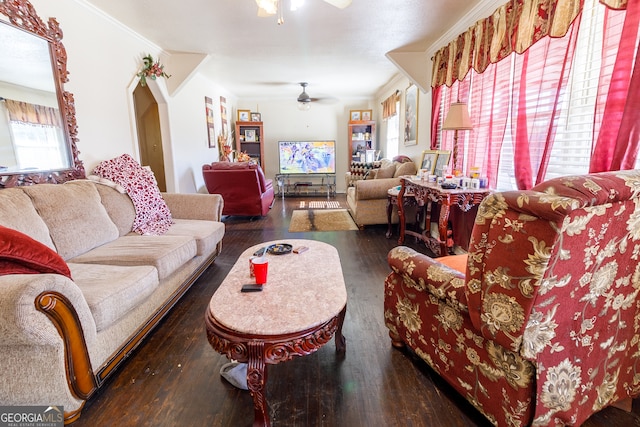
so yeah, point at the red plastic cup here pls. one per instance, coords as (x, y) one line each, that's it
(260, 267)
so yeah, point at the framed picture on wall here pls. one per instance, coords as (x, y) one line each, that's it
(429, 159)
(355, 115)
(411, 115)
(243, 115)
(366, 115)
(211, 132)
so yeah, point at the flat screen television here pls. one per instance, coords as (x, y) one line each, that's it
(307, 157)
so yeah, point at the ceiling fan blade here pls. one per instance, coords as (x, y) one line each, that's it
(339, 3)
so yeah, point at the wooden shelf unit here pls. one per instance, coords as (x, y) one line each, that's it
(362, 137)
(255, 146)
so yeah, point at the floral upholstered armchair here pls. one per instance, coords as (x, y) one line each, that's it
(539, 324)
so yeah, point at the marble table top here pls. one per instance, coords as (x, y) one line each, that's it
(302, 291)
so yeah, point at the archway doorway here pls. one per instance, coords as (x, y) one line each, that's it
(149, 135)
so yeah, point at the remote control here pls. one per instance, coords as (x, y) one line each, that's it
(300, 249)
(251, 288)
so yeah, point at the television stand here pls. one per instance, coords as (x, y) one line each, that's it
(303, 184)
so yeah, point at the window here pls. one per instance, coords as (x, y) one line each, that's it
(498, 99)
(393, 134)
(38, 147)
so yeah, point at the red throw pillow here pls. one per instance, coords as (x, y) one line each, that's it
(20, 254)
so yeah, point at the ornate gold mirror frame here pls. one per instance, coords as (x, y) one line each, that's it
(22, 15)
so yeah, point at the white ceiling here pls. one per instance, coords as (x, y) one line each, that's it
(340, 53)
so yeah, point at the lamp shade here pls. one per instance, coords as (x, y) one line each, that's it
(457, 117)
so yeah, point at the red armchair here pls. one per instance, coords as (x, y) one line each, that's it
(542, 325)
(242, 185)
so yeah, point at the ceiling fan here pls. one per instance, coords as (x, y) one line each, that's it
(273, 7)
(304, 100)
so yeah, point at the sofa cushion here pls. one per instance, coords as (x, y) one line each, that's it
(119, 207)
(457, 262)
(76, 219)
(229, 166)
(206, 233)
(386, 172)
(17, 212)
(20, 254)
(112, 291)
(407, 168)
(165, 253)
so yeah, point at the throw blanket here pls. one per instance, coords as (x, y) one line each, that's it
(152, 214)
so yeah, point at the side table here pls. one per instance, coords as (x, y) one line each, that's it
(425, 192)
(392, 200)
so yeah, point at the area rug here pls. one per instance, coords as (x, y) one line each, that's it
(321, 220)
(319, 204)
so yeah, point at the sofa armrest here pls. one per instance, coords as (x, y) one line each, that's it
(195, 206)
(423, 273)
(48, 311)
(374, 188)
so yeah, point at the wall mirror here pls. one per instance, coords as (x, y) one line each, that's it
(38, 131)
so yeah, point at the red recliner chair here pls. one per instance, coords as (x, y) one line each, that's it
(243, 187)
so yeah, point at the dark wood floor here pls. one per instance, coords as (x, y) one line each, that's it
(173, 378)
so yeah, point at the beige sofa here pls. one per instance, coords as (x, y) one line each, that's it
(63, 337)
(367, 199)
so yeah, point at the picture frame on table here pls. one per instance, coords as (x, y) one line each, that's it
(256, 117)
(429, 161)
(443, 160)
(411, 115)
(366, 115)
(244, 115)
(249, 135)
(355, 115)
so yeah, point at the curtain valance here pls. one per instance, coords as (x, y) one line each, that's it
(513, 27)
(389, 105)
(32, 113)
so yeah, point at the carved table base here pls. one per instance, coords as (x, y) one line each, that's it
(300, 308)
(259, 351)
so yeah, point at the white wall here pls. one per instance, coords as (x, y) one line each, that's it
(401, 83)
(103, 59)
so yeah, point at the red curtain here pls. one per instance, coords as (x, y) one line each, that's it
(616, 132)
(541, 76)
(436, 95)
(490, 99)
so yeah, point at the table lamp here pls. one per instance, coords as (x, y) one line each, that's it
(457, 119)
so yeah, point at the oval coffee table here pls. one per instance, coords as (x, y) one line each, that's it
(299, 309)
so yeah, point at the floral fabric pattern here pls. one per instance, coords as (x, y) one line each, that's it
(546, 317)
(152, 213)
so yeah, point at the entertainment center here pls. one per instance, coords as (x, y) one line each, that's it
(301, 184)
(307, 168)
